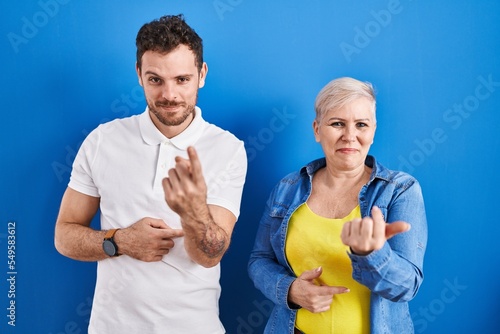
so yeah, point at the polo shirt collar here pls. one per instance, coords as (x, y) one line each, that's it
(152, 136)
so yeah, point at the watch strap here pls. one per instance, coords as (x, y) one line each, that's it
(110, 234)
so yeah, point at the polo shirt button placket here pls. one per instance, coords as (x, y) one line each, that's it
(165, 145)
(164, 155)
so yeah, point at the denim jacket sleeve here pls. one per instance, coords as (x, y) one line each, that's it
(267, 266)
(395, 272)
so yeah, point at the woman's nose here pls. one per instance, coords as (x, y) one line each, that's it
(349, 135)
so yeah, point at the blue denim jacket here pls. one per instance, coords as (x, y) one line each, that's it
(393, 274)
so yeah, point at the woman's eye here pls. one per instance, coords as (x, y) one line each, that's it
(362, 125)
(337, 124)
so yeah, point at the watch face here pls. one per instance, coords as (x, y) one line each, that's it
(109, 247)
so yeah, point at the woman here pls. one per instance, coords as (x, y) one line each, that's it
(341, 243)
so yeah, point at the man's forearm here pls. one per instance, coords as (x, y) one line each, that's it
(205, 241)
(79, 242)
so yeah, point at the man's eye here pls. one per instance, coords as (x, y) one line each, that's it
(154, 80)
(182, 80)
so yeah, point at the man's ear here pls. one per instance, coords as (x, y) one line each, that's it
(138, 71)
(203, 75)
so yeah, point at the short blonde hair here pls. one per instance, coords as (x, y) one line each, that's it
(339, 92)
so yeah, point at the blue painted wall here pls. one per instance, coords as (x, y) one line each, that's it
(68, 65)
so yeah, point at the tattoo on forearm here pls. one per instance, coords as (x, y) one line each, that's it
(214, 241)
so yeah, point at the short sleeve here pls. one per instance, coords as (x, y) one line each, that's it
(81, 178)
(225, 187)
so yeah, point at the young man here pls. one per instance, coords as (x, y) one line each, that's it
(168, 185)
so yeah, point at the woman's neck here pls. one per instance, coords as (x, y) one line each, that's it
(334, 178)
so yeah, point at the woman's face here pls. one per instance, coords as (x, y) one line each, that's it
(346, 134)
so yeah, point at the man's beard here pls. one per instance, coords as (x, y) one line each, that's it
(171, 121)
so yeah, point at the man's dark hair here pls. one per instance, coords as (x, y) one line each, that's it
(167, 33)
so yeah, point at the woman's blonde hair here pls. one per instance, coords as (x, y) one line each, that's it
(340, 92)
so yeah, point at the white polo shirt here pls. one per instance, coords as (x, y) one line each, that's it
(123, 162)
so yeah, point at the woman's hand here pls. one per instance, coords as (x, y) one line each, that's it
(314, 298)
(365, 235)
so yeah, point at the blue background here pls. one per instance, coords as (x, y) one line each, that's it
(68, 65)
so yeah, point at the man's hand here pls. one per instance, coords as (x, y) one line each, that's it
(208, 228)
(148, 240)
(185, 188)
(314, 298)
(369, 234)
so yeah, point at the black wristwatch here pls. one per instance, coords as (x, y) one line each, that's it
(109, 244)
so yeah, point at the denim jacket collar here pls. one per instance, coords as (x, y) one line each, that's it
(378, 171)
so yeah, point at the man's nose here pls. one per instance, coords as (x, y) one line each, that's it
(169, 92)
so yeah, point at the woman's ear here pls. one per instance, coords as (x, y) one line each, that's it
(315, 126)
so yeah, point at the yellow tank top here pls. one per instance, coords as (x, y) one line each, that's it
(314, 241)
